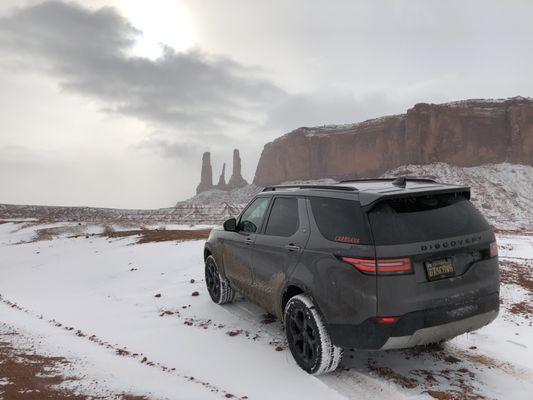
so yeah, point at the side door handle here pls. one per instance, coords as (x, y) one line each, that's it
(248, 241)
(292, 247)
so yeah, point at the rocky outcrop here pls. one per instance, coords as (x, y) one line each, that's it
(236, 180)
(206, 179)
(206, 182)
(222, 180)
(465, 133)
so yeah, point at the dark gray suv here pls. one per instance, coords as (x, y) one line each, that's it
(366, 264)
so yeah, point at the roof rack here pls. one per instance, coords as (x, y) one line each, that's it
(327, 187)
(389, 179)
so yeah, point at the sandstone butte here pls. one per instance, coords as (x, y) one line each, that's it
(464, 133)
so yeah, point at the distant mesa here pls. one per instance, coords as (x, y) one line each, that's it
(464, 134)
(206, 181)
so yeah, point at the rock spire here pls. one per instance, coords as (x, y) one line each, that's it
(222, 180)
(236, 180)
(206, 180)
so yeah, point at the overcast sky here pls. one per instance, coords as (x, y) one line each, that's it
(111, 103)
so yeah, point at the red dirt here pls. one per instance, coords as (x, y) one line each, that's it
(145, 235)
(31, 376)
(490, 362)
(159, 235)
(512, 272)
(523, 308)
(454, 395)
(390, 374)
(441, 395)
(521, 232)
(451, 359)
(121, 351)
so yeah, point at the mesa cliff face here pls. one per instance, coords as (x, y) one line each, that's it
(464, 134)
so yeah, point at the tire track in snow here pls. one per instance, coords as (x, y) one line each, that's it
(123, 351)
(521, 373)
(353, 384)
(347, 383)
(253, 323)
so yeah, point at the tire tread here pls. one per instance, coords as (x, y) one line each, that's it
(331, 355)
(227, 293)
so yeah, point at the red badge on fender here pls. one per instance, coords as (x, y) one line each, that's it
(347, 239)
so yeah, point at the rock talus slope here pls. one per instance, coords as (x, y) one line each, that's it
(502, 192)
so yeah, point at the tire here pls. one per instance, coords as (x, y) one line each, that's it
(218, 287)
(309, 341)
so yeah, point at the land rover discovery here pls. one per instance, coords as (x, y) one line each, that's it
(365, 264)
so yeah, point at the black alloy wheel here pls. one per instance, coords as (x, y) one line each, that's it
(304, 336)
(308, 338)
(212, 280)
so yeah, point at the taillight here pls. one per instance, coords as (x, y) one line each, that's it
(493, 249)
(385, 266)
(386, 320)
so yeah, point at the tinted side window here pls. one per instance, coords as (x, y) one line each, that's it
(253, 216)
(283, 220)
(340, 220)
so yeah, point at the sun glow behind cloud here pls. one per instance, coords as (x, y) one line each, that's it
(162, 23)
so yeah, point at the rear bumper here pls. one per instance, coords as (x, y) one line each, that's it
(418, 327)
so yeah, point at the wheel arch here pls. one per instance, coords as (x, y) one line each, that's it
(290, 291)
(213, 250)
(294, 289)
(207, 252)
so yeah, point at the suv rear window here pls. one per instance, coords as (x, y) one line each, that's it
(418, 219)
(340, 220)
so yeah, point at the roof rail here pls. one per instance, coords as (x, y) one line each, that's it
(389, 179)
(327, 187)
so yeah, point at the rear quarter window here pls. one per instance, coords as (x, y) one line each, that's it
(340, 220)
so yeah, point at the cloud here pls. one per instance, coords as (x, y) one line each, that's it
(171, 148)
(90, 52)
(195, 101)
(18, 157)
(332, 107)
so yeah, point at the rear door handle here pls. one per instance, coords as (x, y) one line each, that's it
(292, 247)
(248, 240)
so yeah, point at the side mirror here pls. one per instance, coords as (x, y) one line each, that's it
(247, 226)
(230, 225)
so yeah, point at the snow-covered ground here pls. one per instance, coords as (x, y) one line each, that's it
(125, 315)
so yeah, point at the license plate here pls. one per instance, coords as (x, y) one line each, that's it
(438, 269)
